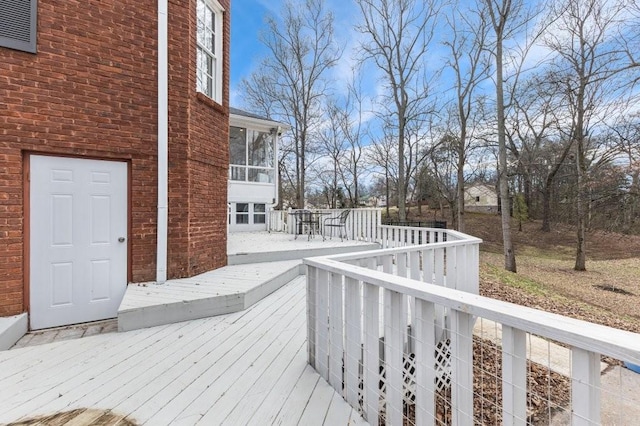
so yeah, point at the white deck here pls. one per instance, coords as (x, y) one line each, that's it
(259, 264)
(255, 247)
(247, 367)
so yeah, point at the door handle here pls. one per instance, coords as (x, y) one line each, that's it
(121, 240)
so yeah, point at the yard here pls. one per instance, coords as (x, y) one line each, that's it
(607, 293)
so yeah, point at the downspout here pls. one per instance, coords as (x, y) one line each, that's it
(163, 142)
(276, 168)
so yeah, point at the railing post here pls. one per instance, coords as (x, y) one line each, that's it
(585, 387)
(514, 376)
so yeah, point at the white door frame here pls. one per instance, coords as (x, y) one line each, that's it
(96, 257)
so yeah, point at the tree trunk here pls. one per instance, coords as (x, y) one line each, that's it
(460, 187)
(509, 253)
(581, 255)
(402, 196)
(386, 185)
(546, 209)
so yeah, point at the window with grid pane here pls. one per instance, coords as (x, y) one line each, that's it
(209, 48)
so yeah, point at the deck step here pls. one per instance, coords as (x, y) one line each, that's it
(222, 291)
(12, 329)
(242, 258)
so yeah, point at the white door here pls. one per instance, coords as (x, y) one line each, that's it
(78, 248)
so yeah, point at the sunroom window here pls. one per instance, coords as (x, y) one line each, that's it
(251, 155)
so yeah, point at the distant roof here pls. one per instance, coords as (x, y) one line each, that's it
(237, 111)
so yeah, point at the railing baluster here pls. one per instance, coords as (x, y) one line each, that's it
(312, 318)
(393, 349)
(401, 264)
(371, 372)
(427, 266)
(387, 264)
(425, 362)
(461, 268)
(322, 324)
(473, 268)
(461, 367)
(585, 387)
(336, 332)
(414, 265)
(451, 267)
(353, 343)
(514, 376)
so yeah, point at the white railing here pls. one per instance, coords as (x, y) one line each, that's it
(361, 225)
(277, 221)
(394, 328)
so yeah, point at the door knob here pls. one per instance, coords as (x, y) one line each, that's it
(121, 240)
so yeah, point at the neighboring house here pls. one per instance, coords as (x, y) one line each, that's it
(253, 170)
(480, 198)
(114, 127)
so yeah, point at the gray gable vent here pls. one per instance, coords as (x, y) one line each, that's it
(18, 21)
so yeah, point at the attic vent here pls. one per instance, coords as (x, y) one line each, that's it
(18, 20)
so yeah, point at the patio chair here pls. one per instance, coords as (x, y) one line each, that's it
(306, 223)
(339, 222)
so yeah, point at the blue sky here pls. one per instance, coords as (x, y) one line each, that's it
(246, 21)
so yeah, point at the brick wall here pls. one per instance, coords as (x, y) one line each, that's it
(91, 91)
(199, 158)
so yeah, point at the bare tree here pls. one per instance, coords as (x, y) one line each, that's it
(594, 64)
(470, 65)
(332, 147)
(382, 155)
(507, 18)
(535, 143)
(355, 130)
(398, 35)
(290, 81)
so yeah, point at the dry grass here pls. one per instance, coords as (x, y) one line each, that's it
(607, 293)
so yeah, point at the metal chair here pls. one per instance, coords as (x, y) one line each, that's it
(306, 223)
(339, 222)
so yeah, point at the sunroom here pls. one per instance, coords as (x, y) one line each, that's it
(253, 171)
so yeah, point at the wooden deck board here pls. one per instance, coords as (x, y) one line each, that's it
(160, 392)
(240, 368)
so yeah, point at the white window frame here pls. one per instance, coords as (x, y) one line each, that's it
(250, 214)
(215, 90)
(246, 167)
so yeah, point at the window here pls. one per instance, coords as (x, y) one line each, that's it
(18, 22)
(252, 155)
(477, 199)
(247, 214)
(259, 213)
(209, 49)
(242, 213)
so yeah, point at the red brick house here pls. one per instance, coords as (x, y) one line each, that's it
(114, 139)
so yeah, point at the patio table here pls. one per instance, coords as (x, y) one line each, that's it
(307, 222)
